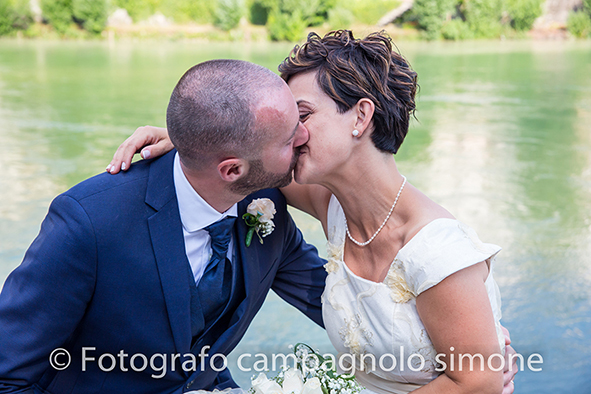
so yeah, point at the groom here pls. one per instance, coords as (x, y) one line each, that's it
(137, 283)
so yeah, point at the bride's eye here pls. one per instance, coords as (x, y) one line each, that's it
(304, 116)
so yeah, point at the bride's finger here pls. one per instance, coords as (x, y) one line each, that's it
(123, 156)
(509, 388)
(510, 370)
(507, 337)
(142, 137)
(158, 149)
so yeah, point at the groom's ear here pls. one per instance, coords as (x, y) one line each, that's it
(232, 169)
(364, 109)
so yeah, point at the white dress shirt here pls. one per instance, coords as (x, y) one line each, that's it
(196, 214)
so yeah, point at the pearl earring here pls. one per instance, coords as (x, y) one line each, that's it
(355, 133)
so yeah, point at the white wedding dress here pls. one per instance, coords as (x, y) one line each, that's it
(379, 320)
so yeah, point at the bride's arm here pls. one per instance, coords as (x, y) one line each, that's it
(152, 142)
(459, 320)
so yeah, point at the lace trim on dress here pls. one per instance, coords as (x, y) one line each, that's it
(335, 258)
(352, 332)
(335, 255)
(399, 290)
(425, 348)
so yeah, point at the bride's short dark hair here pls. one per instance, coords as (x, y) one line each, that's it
(350, 69)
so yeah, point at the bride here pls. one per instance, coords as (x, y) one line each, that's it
(405, 278)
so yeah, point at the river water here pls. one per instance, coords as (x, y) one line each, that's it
(503, 141)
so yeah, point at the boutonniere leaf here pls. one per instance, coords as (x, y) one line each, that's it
(258, 217)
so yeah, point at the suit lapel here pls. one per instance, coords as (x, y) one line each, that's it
(169, 249)
(249, 256)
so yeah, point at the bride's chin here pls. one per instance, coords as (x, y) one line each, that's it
(303, 173)
(297, 177)
(299, 174)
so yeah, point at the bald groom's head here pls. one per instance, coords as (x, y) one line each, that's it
(212, 110)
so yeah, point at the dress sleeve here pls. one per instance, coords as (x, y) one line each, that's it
(444, 247)
(335, 222)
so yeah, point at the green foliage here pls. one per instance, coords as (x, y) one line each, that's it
(368, 12)
(462, 19)
(456, 29)
(91, 14)
(288, 19)
(228, 13)
(523, 13)
(58, 13)
(587, 6)
(340, 18)
(5, 18)
(579, 24)
(483, 17)
(138, 9)
(14, 15)
(308, 9)
(283, 26)
(258, 13)
(431, 14)
(183, 11)
(323, 10)
(312, 12)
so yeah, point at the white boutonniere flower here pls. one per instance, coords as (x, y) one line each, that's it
(258, 217)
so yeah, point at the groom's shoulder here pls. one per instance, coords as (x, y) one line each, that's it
(106, 183)
(121, 186)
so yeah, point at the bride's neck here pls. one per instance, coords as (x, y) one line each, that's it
(366, 190)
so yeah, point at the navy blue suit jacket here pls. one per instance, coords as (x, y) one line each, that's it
(108, 273)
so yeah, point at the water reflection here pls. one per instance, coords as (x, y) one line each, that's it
(503, 142)
(513, 163)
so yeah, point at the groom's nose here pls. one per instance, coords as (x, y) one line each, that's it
(302, 135)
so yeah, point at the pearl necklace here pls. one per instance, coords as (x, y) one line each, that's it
(383, 223)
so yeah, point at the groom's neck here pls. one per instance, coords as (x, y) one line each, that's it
(211, 188)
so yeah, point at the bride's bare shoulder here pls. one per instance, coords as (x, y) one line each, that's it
(422, 211)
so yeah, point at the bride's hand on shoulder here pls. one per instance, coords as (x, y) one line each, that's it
(148, 141)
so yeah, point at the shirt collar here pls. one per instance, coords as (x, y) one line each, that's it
(195, 212)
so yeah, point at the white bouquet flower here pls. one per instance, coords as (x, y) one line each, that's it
(313, 374)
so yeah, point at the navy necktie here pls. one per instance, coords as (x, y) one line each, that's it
(215, 285)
